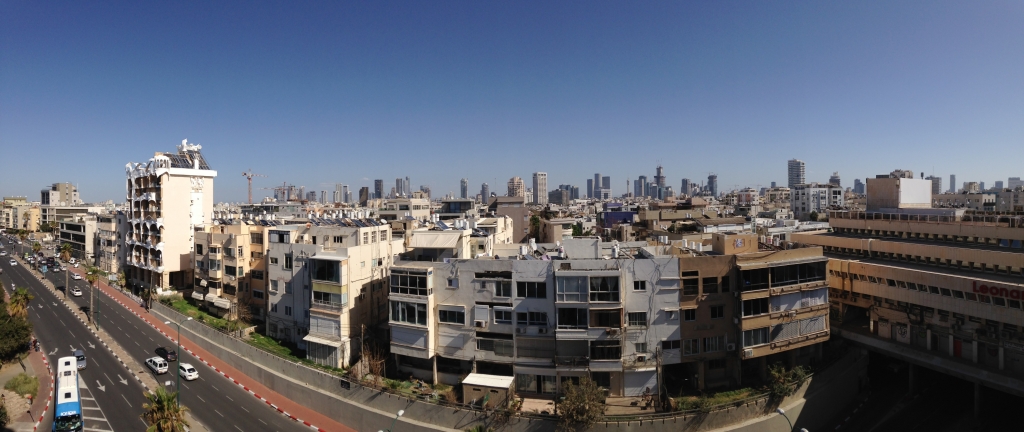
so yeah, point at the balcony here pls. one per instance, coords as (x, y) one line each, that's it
(571, 361)
(326, 306)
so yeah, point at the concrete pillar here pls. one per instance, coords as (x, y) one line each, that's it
(1002, 360)
(977, 399)
(434, 371)
(951, 346)
(912, 371)
(928, 338)
(700, 375)
(974, 350)
(762, 367)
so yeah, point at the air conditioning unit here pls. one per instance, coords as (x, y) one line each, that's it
(480, 324)
(748, 353)
(613, 331)
(521, 330)
(792, 314)
(730, 347)
(641, 358)
(542, 330)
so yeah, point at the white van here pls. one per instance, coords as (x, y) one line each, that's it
(157, 364)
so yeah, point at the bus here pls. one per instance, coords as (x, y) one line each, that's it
(67, 413)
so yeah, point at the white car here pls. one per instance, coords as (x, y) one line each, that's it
(76, 276)
(157, 364)
(188, 372)
(13, 262)
(77, 292)
(62, 268)
(76, 265)
(3, 253)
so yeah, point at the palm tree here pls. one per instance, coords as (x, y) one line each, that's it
(18, 306)
(65, 255)
(36, 247)
(163, 412)
(92, 274)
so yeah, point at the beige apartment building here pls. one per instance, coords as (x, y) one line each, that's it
(110, 246)
(229, 270)
(168, 197)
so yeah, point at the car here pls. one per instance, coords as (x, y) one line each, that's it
(167, 353)
(80, 356)
(30, 260)
(13, 262)
(76, 291)
(157, 364)
(3, 253)
(72, 261)
(75, 264)
(62, 268)
(76, 276)
(188, 372)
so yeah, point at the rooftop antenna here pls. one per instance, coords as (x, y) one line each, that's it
(249, 175)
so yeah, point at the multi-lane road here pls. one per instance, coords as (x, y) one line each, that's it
(214, 401)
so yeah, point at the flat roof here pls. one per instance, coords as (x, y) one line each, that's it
(484, 380)
(925, 268)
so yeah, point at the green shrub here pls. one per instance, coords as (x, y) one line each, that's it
(23, 384)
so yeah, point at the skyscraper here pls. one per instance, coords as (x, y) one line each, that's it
(407, 186)
(835, 179)
(999, 185)
(464, 188)
(686, 188)
(516, 187)
(659, 176)
(400, 187)
(936, 184)
(425, 189)
(638, 189)
(346, 196)
(1013, 182)
(642, 190)
(713, 184)
(590, 188)
(485, 193)
(796, 172)
(952, 183)
(606, 186)
(364, 195)
(858, 186)
(540, 188)
(378, 188)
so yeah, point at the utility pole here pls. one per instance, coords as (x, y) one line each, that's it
(249, 175)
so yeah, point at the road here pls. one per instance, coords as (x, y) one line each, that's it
(215, 401)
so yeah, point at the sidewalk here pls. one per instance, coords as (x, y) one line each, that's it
(285, 406)
(17, 408)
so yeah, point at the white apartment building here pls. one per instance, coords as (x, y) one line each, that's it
(168, 197)
(110, 247)
(79, 231)
(326, 279)
(540, 188)
(814, 197)
(60, 194)
(403, 208)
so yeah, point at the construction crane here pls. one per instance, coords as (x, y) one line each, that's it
(284, 190)
(249, 175)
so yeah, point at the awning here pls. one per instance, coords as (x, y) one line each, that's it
(484, 380)
(322, 341)
(198, 295)
(221, 302)
(435, 240)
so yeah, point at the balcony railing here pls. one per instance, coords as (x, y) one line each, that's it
(327, 306)
(572, 361)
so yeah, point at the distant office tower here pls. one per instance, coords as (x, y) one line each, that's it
(339, 195)
(364, 195)
(858, 186)
(659, 176)
(796, 172)
(972, 187)
(464, 188)
(1013, 182)
(400, 187)
(936, 184)
(485, 193)
(590, 188)
(323, 197)
(597, 186)
(606, 182)
(642, 191)
(516, 187)
(346, 195)
(686, 188)
(982, 186)
(638, 189)
(952, 183)
(540, 188)
(407, 185)
(378, 188)
(773, 185)
(713, 184)
(999, 185)
(835, 179)
(425, 189)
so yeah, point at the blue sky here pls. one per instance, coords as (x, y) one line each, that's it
(316, 93)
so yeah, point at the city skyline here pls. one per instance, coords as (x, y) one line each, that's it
(834, 85)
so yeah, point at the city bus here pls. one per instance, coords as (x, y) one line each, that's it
(67, 413)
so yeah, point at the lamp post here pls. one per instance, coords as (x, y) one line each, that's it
(783, 413)
(177, 358)
(390, 429)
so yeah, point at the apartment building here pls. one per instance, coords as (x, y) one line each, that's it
(636, 317)
(944, 282)
(326, 279)
(814, 198)
(402, 208)
(516, 209)
(60, 194)
(970, 201)
(56, 213)
(229, 267)
(168, 196)
(109, 247)
(80, 231)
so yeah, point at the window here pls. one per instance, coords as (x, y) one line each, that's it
(945, 292)
(280, 237)
(605, 350)
(640, 347)
(373, 237)
(338, 239)
(755, 337)
(724, 285)
(288, 310)
(327, 299)
(606, 318)
(714, 343)
(710, 285)
(502, 316)
(717, 312)
(273, 285)
(409, 282)
(256, 238)
(572, 318)
(531, 289)
(637, 319)
(273, 308)
(407, 312)
(257, 274)
(691, 286)
(755, 307)
(503, 288)
(691, 347)
(214, 250)
(257, 294)
(326, 270)
(639, 285)
(453, 283)
(689, 314)
(366, 238)
(451, 316)
(231, 270)
(532, 318)
(288, 287)
(604, 289)
(273, 260)
(288, 261)
(199, 249)
(571, 288)
(670, 344)
(383, 236)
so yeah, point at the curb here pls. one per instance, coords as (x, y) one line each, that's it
(50, 396)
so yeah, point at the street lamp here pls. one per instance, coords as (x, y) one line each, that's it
(783, 413)
(400, 412)
(178, 360)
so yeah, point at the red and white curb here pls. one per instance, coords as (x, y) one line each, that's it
(49, 397)
(211, 366)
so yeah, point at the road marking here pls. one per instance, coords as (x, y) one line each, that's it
(201, 398)
(261, 421)
(242, 407)
(229, 398)
(126, 401)
(218, 412)
(214, 387)
(236, 427)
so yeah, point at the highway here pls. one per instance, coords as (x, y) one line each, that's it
(214, 401)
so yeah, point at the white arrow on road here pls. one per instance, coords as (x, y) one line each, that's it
(91, 345)
(55, 303)
(72, 348)
(54, 352)
(40, 306)
(100, 386)
(123, 381)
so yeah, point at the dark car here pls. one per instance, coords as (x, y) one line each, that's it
(167, 353)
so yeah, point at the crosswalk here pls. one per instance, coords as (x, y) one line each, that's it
(92, 414)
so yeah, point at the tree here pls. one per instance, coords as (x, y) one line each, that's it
(814, 216)
(582, 406)
(577, 230)
(122, 279)
(65, 255)
(535, 226)
(36, 247)
(4, 417)
(92, 274)
(163, 413)
(18, 307)
(243, 314)
(15, 334)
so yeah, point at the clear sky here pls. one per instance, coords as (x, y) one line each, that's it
(316, 93)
